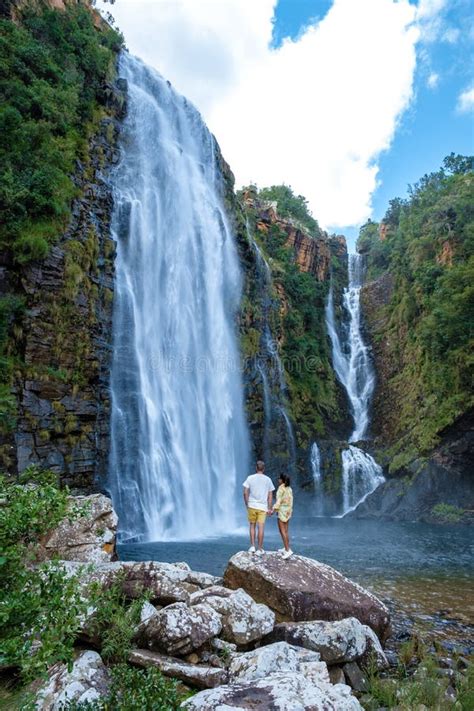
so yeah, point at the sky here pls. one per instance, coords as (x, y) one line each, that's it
(347, 101)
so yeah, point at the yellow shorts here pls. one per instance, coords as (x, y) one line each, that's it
(256, 516)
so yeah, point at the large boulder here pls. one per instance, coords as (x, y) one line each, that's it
(337, 642)
(179, 629)
(88, 681)
(278, 657)
(304, 589)
(88, 536)
(198, 676)
(283, 691)
(243, 619)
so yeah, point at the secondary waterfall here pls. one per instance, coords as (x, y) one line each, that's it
(179, 440)
(271, 373)
(315, 463)
(360, 472)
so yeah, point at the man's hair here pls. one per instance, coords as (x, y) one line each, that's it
(260, 466)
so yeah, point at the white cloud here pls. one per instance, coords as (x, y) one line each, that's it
(466, 100)
(315, 113)
(433, 80)
(451, 35)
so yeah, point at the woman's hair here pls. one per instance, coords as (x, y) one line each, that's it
(285, 479)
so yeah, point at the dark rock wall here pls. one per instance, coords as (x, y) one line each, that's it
(64, 340)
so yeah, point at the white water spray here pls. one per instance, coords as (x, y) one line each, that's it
(179, 440)
(360, 472)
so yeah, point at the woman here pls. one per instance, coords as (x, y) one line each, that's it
(284, 507)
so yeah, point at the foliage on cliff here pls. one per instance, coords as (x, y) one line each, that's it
(298, 320)
(426, 243)
(52, 70)
(291, 205)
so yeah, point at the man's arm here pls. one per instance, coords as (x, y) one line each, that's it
(270, 501)
(246, 495)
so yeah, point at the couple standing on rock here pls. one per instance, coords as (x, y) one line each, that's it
(258, 497)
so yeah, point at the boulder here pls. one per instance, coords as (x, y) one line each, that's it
(179, 629)
(243, 619)
(90, 538)
(304, 589)
(202, 580)
(164, 583)
(285, 691)
(88, 681)
(337, 642)
(278, 657)
(197, 676)
(355, 677)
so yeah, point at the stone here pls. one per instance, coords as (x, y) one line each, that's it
(180, 629)
(195, 675)
(305, 589)
(336, 675)
(277, 657)
(89, 538)
(243, 620)
(203, 580)
(285, 691)
(88, 680)
(336, 642)
(355, 677)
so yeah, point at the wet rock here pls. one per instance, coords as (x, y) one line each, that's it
(243, 620)
(355, 677)
(89, 538)
(304, 589)
(88, 681)
(285, 691)
(197, 676)
(337, 642)
(180, 629)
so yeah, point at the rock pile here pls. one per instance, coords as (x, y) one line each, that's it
(265, 636)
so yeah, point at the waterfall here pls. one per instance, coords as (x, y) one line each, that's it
(315, 457)
(179, 440)
(271, 371)
(361, 475)
(360, 472)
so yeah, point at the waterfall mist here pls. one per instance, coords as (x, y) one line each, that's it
(179, 441)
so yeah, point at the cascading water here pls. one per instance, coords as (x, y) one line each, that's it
(315, 463)
(179, 439)
(270, 370)
(360, 472)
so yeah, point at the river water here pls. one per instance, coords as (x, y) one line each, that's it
(425, 572)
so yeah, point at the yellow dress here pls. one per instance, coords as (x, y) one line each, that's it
(284, 502)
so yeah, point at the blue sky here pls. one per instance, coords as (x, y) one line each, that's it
(432, 127)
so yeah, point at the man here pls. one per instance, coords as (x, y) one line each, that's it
(258, 497)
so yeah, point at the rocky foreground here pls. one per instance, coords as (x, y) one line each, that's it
(289, 635)
(271, 634)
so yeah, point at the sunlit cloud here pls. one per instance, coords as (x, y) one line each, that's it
(433, 80)
(316, 112)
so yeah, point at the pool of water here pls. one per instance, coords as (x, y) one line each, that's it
(359, 549)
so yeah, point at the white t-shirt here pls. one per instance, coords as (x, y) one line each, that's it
(260, 486)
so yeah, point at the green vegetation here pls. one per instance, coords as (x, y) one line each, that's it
(42, 606)
(297, 321)
(427, 247)
(446, 513)
(40, 602)
(52, 73)
(417, 681)
(291, 205)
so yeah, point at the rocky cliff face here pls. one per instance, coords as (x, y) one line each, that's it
(57, 340)
(63, 400)
(291, 392)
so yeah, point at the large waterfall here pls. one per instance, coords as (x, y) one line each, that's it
(360, 472)
(179, 441)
